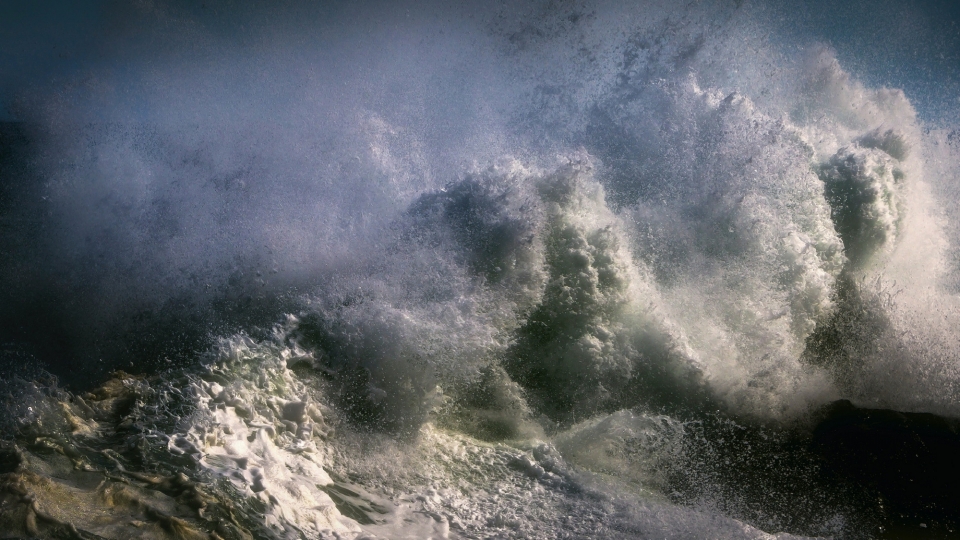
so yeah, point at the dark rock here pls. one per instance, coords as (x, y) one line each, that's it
(911, 460)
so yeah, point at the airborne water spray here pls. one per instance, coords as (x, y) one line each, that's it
(542, 270)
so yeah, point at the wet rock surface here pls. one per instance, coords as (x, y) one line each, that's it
(77, 472)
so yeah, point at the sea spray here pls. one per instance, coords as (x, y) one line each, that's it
(542, 270)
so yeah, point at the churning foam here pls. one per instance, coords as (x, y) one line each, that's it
(655, 234)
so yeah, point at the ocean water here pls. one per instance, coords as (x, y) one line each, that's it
(534, 270)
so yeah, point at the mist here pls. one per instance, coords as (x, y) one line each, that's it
(173, 172)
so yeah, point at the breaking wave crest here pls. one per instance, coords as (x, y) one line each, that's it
(611, 279)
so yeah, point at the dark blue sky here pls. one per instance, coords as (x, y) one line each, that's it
(43, 40)
(912, 45)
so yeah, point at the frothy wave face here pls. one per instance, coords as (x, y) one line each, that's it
(598, 235)
(703, 286)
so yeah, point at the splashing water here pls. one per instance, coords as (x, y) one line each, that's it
(551, 270)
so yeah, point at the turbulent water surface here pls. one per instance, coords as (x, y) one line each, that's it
(526, 270)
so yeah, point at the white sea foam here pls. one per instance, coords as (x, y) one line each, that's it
(260, 428)
(530, 252)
